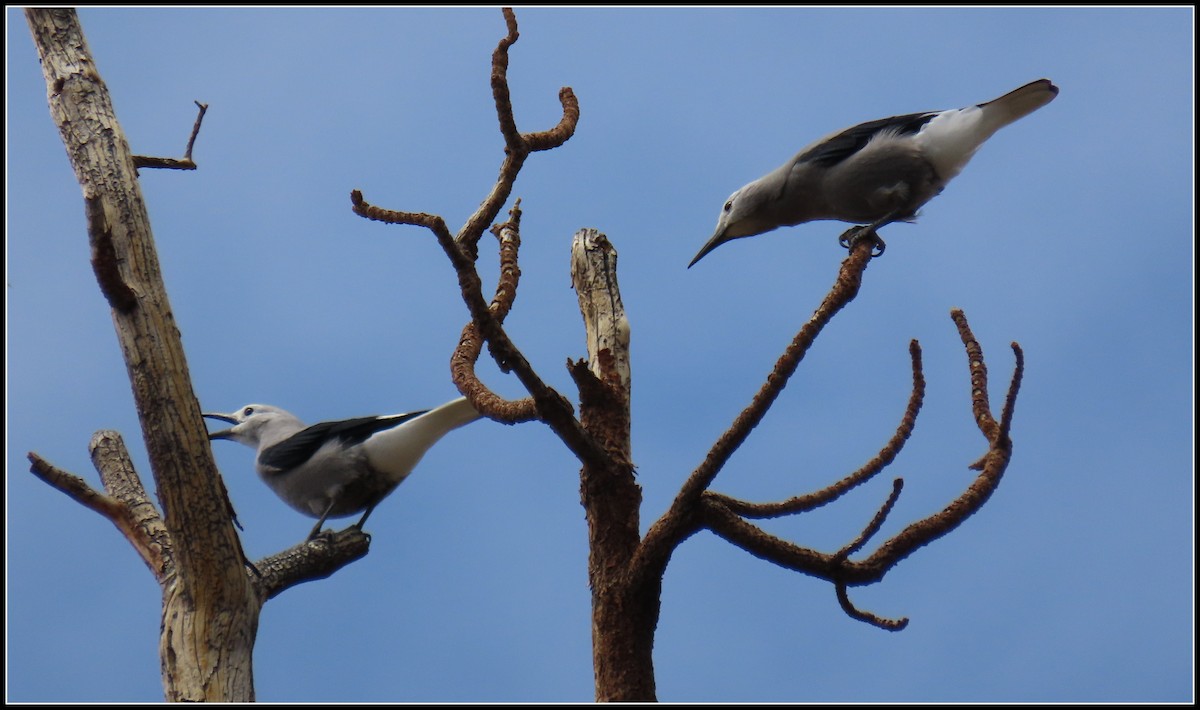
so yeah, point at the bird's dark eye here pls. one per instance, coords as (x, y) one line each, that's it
(248, 411)
(729, 205)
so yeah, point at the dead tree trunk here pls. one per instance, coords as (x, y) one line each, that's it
(622, 626)
(210, 609)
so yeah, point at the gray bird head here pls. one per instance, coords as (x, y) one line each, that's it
(744, 214)
(256, 424)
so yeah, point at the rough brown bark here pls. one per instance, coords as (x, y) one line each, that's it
(210, 609)
(623, 622)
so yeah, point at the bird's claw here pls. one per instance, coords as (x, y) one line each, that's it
(854, 235)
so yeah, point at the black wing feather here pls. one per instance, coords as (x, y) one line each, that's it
(845, 144)
(298, 448)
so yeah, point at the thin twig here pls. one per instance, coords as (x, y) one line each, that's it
(185, 163)
(980, 406)
(876, 523)
(1010, 400)
(187, 154)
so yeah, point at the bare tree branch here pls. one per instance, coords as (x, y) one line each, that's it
(470, 345)
(462, 372)
(979, 380)
(866, 616)
(314, 559)
(148, 533)
(684, 518)
(804, 503)
(186, 163)
(723, 515)
(992, 466)
(508, 235)
(1010, 400)
(79, 491)
(854, 546)
(553, 138)
(753, 539)
(552, 408)
(876, 523)
(844, 290)
(517, 146)
(508, 124)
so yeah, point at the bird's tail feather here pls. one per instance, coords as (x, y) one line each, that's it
(397, 450)
(1017, 104)
(454, 413)
(952, 137)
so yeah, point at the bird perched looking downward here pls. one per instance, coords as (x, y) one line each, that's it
(876, 172)
(337, 469)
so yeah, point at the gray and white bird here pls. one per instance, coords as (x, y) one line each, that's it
(874, 173)
(336, 469)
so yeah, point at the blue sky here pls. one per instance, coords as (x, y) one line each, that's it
(1071, 231)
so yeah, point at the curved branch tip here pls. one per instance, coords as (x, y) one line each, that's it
(866, 616)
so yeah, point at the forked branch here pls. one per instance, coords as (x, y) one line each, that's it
(124, 501)
(688, 511)
(844, 290)
(696, 508)
(810, 501)
(486, 323)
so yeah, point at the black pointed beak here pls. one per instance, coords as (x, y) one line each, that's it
(717, 240)
(224, 433)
